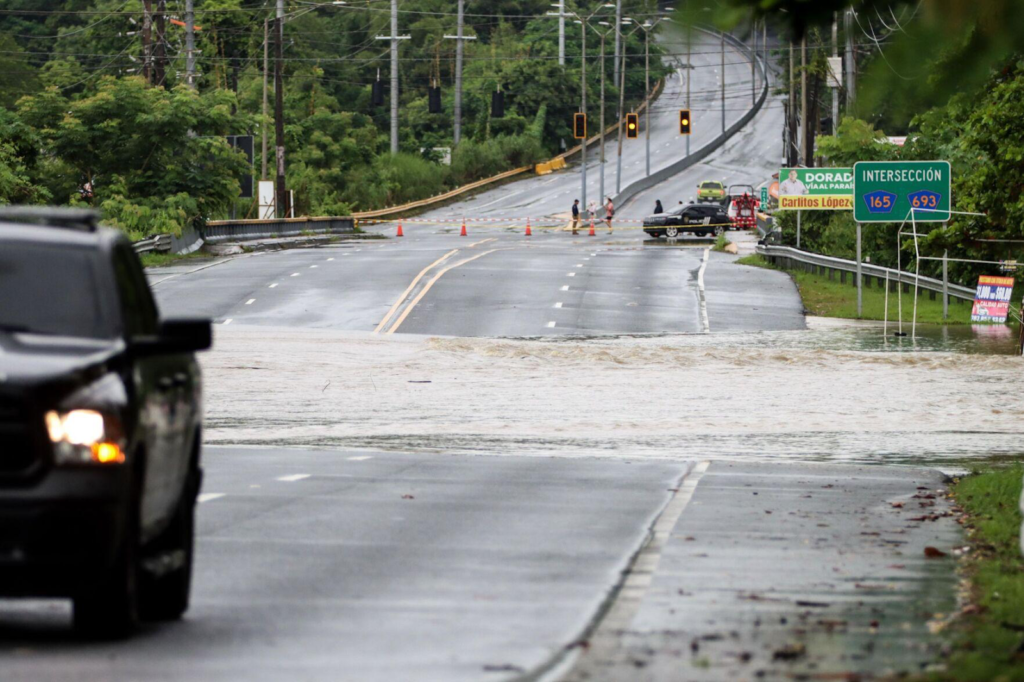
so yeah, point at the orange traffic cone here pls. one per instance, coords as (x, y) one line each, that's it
(400, 233)
(463, 233)
(528, 232)
(592, 233)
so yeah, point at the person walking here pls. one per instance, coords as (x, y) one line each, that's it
(609, 213)
(575, 216)
(657, 207)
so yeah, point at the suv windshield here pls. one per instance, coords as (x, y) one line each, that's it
(48, 289)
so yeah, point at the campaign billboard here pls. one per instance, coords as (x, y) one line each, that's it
(816, 189)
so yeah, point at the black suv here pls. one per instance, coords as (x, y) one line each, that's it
(100, 420)
(702, 220)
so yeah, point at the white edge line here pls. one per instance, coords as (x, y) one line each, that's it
(207, 497)
(702, 295)
(291, 478)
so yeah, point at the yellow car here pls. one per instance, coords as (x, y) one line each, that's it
(711, 190)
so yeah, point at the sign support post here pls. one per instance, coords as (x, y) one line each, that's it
(945, 284)
(860, 279)
(798, 214)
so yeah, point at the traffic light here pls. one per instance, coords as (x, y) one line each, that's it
(579, 126)
(684, 122)
(434, 100)
(377, 94)
(498, 104)
(632, 125)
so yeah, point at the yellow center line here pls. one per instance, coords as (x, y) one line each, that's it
(411, 287)
(481, 242)
(419, 297)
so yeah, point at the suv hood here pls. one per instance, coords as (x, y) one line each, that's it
(31, 359)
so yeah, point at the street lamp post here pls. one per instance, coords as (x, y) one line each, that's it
(604, 35)
(583, 88)
(622, 99)
(647, 27)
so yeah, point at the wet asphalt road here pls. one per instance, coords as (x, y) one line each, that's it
(361, 565)
(495, 283)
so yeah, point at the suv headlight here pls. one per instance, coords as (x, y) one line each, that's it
(84, 437)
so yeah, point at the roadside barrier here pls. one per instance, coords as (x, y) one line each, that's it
(790, 258)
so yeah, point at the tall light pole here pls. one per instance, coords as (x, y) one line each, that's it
(618, 41)
(583, 22)
(603, 34)
(723, 82)
(281, 199)
(622, 98)
(647, 27)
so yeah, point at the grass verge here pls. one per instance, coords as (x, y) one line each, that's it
(155, 260)
(830, 298)
(988, 637)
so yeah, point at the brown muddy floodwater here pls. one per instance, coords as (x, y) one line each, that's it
(837, 394)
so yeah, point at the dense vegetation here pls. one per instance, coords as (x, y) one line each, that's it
(79, 124)
(949, 74)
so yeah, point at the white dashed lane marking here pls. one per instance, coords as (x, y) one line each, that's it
(551, 324)
(272, 285)
(250, 301)
(566, 287)
(207, 497)
(570, 274)
(227, 321)
(360, 458)
(558, 305)
(295, 274)
(292, 477)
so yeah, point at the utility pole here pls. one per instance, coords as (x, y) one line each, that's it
(804, 123)
(618, 47)
(851, 65)
(723, 83)
(394, 76)
(265, 121)
(459, 37)
(147, 40)
(394, 38)
(561, 32)
(281, 200)
(159, 50)
(753, 61)
(791, 123)
(190, 44)
(835, 91)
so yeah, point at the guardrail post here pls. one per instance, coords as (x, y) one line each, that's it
(945, 284)
(860, 292)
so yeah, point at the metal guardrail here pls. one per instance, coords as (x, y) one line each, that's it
(813, 261)
(160, 243)
(240, 230)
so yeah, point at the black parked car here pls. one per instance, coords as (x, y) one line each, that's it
(99, 425)
(701, 220)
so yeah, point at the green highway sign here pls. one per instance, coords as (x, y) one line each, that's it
(885, 191)
(764, 197)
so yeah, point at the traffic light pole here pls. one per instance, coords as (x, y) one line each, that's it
(583, 107)
(622, 117)
(689, 41)
(723, 83)
(459, 37)
(281, 198)
(603, 35)
(647, 89)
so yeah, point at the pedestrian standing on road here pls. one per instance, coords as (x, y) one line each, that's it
(575, 216)
(592, 209)
(657, 207)
(609, 213)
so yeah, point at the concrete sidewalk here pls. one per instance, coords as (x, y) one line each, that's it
(816, 572)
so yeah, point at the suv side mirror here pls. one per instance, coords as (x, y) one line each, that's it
(182, 335)
(186, 335)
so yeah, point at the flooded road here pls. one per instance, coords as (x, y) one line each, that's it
(840, 394)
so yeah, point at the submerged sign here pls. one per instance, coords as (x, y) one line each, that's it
(885, 191)
(992, 299)
(816, 189)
